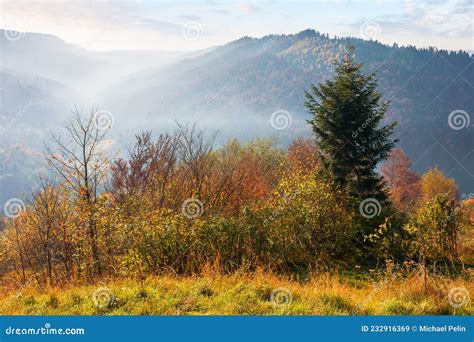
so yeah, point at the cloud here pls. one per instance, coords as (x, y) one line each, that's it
(135, 24)
(250, 9)
(463, 7)
(191, 17)
(157, 25)
(460, 32)
(218, 11)
(435, 17)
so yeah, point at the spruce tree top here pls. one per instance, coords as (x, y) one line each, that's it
(347, 113)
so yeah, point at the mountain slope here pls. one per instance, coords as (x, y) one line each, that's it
(51, 57)
(236, 87)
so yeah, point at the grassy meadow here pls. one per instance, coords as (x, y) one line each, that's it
(261, 293)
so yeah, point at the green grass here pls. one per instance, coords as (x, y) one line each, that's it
(239, 295)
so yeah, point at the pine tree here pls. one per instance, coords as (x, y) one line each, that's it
(347, 114)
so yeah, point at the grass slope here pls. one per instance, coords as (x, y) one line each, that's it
(241, 294)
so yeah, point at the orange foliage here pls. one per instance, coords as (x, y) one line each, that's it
(302, 155)
(403, 184)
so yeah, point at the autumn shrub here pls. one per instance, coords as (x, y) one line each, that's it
(302, 225)
(436, 228)
(308, 225)
(45, 242)
(390, 240)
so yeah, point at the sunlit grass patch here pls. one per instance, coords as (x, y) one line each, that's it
(240, 294)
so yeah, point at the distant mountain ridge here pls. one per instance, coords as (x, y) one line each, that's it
(234, 88)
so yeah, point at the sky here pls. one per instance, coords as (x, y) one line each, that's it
(193, 25)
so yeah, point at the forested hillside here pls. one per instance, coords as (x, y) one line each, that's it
(248, 79)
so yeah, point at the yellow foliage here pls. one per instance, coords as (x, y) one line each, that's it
(435, 182)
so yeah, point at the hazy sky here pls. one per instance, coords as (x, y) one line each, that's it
(191, 25)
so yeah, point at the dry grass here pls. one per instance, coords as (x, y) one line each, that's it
(244, 294)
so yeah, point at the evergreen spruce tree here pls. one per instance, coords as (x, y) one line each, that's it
(347, 113)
